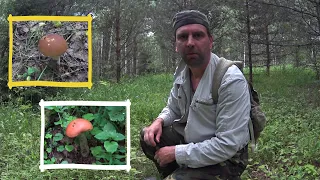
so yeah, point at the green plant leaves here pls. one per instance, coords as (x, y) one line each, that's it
(116, 113)
(69, 148)
(118, 137)
(109, 127)
(117, 116)
(88, 116)
(111, 147)
(57, 137)
(60, 148)
(31, 70)
(48, 136)
(107, 123)
(105, 135)
(64, 162)
(96, 150)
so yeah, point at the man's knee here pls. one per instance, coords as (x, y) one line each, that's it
(143, 144)
(142, 134)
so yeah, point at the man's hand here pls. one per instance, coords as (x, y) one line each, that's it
(165, 155)
(155, 129)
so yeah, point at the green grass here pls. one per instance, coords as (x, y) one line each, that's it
(289, 147)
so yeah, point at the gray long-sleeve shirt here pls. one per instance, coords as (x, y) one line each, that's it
(213, 132)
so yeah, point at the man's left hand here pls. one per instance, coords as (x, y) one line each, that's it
(165, 155)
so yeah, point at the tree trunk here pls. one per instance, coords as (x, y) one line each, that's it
(118, 48)
(297, 60)
(267, 49)
(108, 61)
(134, 58)
(249, 41)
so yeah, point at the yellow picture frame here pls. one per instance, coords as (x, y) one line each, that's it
(87, 18)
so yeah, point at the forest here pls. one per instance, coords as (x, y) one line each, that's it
(134, 57)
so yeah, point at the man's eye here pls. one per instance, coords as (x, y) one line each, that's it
(183, 37)
(197, 35)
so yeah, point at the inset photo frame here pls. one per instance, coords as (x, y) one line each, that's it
(85, 135)
(50, 51)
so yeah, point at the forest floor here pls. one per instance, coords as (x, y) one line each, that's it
(289, 147)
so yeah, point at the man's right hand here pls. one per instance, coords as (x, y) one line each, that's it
(155, 129)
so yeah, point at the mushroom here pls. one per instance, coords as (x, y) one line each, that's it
(53, 45)
(76, 128)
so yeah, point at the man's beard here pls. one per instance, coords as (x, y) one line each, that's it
(194, 62)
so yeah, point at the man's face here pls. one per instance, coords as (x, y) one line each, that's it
(194, 44)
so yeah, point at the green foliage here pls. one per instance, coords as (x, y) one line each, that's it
(287, 148)
(108, 130)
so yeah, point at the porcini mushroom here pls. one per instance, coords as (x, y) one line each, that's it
(53, 45)
(76, 128)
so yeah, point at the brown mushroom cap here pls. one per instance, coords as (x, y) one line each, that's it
(52, 45)
(78, 126)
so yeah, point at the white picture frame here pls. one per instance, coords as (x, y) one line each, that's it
(44, 167)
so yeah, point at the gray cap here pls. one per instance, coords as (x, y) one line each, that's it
(190, 17)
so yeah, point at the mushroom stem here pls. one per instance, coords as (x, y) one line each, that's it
(84, 148)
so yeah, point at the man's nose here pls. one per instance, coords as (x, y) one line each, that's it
(190, 42)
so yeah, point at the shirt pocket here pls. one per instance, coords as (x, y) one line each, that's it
(205, 107)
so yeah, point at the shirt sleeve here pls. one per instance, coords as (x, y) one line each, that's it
(232, 134)
(171, 111)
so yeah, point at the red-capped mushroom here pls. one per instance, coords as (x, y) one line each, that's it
(76, 128)
(53, 45)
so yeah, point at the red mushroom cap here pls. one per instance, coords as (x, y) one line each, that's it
(52, 45)
(78, 126)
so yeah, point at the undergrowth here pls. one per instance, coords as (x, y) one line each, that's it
(289, 147)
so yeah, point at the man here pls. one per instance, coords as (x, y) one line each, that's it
(193, 138)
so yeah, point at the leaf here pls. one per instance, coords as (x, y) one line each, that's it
(48, 136)
(57, 137)
(116, 113)
(118, 137)
(60, 148)
(122, 149)
(49, 107)
(115, 108)
(111, 147)
(118, 162)
(70, 118)
(57, 23)
(24, 75)
(88, 116)
(55, 108)
(104, 135)
(96, 150)
(53, 159)
(64, 162)
(109, 127)
(47, 162)
(98, 163)
(106, 156)
(69, 148)
(49, 150)
(95, 131)
(58, 122)
(31, 70)
(117, 116)
(118, 156)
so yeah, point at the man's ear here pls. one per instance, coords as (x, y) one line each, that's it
(176, 49)
(211, 41)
